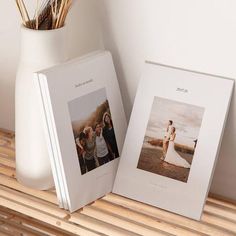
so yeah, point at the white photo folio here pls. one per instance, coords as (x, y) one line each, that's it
(173, 139)
(85, 126)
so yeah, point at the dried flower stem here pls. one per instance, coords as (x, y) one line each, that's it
(37, 15)
(49, 14)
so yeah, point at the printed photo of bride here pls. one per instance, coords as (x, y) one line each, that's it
(171, 139)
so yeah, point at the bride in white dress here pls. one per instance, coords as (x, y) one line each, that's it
(172, 156)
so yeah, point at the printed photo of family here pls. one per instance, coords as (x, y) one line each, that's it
(171, 139)
(93, 130)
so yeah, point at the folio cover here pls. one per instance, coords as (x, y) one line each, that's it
(173, 139)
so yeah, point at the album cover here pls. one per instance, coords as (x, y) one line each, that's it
(173, 139)
(85, 126)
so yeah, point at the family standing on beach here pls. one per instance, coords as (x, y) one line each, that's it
(97, 146)
(169, 153)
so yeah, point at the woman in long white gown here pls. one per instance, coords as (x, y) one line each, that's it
(172, 156)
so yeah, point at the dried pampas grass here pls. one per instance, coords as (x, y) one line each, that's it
(49, 14)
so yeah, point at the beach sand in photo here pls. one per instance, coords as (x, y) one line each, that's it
(150, 160)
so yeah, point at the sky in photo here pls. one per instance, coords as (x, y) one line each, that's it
(82, 107)
(186, 119)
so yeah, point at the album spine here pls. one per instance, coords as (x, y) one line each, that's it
(49, 138)
(55, 144)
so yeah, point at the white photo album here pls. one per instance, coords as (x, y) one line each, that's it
(173, 139)
(85, 127)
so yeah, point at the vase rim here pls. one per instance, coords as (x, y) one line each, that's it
(42, 31)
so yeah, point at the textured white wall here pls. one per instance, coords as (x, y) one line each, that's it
(198, 35)
(83, 37)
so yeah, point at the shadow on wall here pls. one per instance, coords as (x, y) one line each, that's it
(223, 181)
(124, 35)
(111, 44)
(84, 29)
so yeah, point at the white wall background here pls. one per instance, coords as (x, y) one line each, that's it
(83, 37)
(198, 35)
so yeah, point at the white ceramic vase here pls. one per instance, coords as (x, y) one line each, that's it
(40, 49)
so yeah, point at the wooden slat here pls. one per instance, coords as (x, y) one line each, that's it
(99, 226)
(19, 228)
(4, 232)
(8, 133)
(7, 162)
(7, 152)
(222, 212)
(31, 222)
(40, 228)
(7, 142)
(46, 218)
(5, 214)
(168, 217)
(12, 183)
(8, 171)
(121, 222)
(143, 219)
(222, 203)
(220, 222)
(32, 202)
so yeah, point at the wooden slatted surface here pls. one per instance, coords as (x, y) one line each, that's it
(24, 211)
